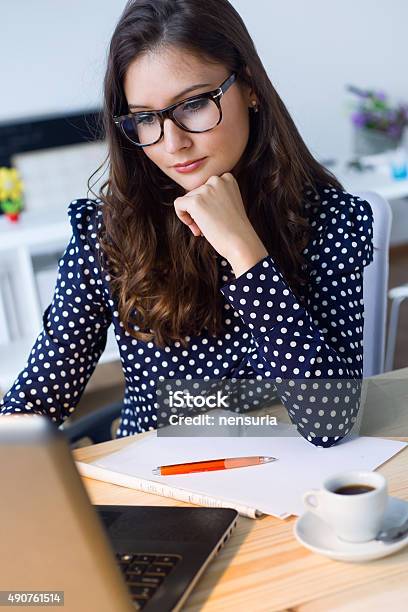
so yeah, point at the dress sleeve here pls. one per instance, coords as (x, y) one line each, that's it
(314, 349)
(74, 330)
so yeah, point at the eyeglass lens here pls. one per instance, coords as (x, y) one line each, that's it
(197, 115)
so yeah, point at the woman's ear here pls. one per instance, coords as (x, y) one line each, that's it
(249, 89)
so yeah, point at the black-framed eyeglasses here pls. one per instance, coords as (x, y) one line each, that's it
(199, 113)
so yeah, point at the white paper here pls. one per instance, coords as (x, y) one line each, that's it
(274, 488)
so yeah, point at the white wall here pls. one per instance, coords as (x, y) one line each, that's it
(312, 49)
(56, 53)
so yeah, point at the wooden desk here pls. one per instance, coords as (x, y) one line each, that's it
(263, 568)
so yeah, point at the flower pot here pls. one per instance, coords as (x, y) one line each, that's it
(370, 142)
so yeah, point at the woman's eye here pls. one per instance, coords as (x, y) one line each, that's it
(195, 105)
(145, 119)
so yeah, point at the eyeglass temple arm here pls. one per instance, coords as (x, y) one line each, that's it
(229, 82)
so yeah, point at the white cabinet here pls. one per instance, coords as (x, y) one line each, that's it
(29, 254)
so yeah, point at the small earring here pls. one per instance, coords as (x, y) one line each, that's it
(255, 107)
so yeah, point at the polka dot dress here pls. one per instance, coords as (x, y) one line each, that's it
(312, 351)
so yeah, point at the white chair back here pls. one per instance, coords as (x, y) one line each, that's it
(375, 286)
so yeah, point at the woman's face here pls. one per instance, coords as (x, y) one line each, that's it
(155, 81)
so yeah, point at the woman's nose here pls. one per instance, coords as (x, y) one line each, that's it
(174, 136)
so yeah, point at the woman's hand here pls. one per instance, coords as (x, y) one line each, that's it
(216, 211)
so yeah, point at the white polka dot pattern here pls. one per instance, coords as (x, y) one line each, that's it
(268, 333)
(74, 329)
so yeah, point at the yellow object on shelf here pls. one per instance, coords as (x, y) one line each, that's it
(11, 191)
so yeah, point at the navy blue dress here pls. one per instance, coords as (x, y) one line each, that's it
(268, 333)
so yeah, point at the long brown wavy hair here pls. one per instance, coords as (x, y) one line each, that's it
(165, 279)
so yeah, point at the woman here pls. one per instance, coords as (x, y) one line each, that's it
(248, 264)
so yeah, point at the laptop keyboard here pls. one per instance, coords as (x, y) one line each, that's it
(144, 573)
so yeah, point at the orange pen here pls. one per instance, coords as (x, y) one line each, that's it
(210, 465)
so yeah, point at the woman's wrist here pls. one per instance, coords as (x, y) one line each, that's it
(247, 255)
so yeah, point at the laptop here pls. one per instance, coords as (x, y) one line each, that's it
(97, 558)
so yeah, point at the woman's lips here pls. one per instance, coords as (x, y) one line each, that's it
(190, 167)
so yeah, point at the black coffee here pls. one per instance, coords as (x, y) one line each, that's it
(354, 489)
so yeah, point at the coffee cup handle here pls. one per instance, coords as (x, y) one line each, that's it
(311, 500)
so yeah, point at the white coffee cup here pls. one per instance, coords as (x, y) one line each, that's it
(355, 517)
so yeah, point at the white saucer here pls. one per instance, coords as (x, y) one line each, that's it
(316, 535)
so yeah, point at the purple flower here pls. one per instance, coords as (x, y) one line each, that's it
(359, 119)
(381, 95)
(373, 111)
